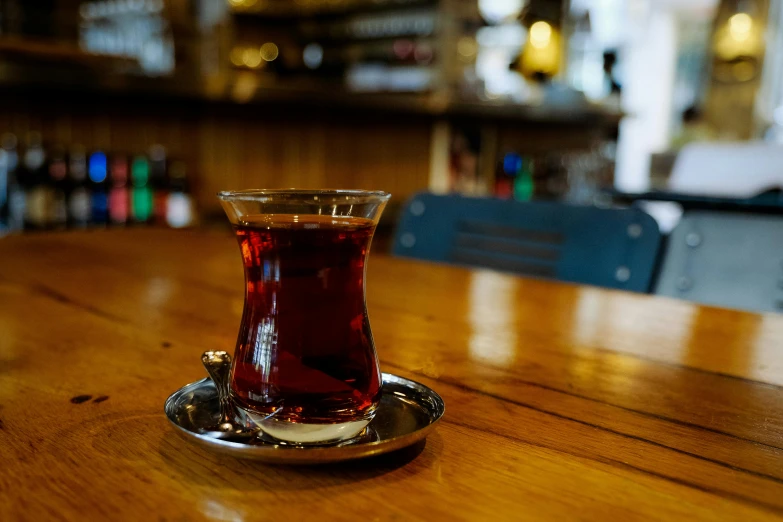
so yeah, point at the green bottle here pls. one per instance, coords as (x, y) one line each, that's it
(141, 194)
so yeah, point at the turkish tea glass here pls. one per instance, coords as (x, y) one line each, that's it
(305, 368)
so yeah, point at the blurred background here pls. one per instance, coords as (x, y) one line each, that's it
(136, 112)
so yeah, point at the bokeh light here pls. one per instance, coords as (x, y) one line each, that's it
(740, 26)
(269, 51)
(251, 57)
(540, 34)
(313, 55)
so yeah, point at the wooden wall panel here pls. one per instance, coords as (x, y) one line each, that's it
(392, 157)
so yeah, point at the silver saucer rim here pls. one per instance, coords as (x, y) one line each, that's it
(305, 455)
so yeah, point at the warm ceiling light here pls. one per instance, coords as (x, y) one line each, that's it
(540, 34)
(740, 26)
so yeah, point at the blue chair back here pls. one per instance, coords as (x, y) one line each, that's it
(615, 248)
(725, 259)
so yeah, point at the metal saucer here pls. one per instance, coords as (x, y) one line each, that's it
(407, 413)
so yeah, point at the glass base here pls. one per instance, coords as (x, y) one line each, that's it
(303, 433)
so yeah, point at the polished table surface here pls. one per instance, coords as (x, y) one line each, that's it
(563, 402)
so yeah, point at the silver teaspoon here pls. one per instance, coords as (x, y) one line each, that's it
(218, 366)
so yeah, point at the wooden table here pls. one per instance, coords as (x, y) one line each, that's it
(562, 402)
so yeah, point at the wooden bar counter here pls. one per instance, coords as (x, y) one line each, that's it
(562, 402)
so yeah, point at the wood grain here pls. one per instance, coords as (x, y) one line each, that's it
(563, 402)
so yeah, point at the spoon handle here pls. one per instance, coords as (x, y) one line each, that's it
(218, 366)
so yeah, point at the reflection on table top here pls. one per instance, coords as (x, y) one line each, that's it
(561, 401)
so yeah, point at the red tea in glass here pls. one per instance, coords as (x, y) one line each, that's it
(305, 367)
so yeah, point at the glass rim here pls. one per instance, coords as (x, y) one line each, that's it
(260, 194)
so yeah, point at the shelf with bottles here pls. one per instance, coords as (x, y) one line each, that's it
(391, 56)
(309, 8)
(540, 162)
(57, 187)
(355, 46)
(577, 177)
